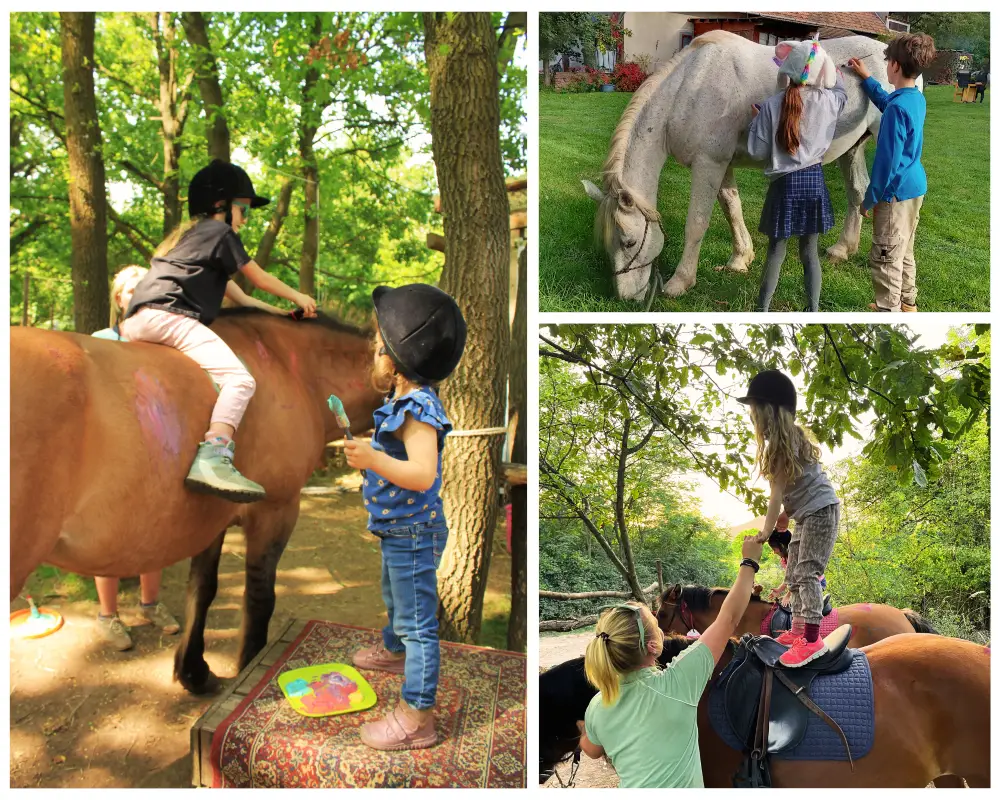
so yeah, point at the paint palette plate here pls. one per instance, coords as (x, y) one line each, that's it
(326, 689)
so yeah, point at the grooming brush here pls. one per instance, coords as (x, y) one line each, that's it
(337, 407)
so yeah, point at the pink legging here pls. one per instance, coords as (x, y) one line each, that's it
(198, 342)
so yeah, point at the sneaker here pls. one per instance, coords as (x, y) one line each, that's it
(396, 731)
(378, 657)
(213, 473)
(114, 632)
(788, 638)
(158, 615)
(802, 652)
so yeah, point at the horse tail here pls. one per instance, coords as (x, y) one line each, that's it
(920, 625)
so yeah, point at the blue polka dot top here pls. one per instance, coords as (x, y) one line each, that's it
(388, 505)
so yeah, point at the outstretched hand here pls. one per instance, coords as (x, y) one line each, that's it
(859, 68)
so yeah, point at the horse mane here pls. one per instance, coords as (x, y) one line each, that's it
(699, 598)
(614, 164)
(321, 319)
(673, 645)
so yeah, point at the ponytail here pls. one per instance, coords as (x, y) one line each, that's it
(618, 647)
(175, 235)
(791, 114)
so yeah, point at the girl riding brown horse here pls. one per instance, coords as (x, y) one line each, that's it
(94, 421)
(687, 608)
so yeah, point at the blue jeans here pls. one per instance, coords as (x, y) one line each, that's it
(410, 558)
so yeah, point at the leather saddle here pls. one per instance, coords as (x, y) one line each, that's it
(767, 704)
(781, 619)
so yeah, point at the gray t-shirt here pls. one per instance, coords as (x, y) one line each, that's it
(811, 492)
(820, 109)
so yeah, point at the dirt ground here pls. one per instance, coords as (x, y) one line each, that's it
(84, 716)
(593, 773)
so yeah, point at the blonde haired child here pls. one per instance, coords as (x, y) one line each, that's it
(790, 460)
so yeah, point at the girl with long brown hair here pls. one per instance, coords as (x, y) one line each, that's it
(792, 131)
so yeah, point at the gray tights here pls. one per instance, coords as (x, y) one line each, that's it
(808, 253)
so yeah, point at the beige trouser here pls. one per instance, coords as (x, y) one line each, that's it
(893, 268)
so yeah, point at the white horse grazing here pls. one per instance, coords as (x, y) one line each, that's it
(696, 108)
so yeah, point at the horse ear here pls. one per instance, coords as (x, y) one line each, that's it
(757, 589)
(593, 192)
(625, 199)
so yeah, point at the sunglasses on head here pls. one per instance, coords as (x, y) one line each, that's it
(638, 621)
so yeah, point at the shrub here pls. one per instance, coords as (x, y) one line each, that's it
(628, 76)
(586, 79)
(645, 62)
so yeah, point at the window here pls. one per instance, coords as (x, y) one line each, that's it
(686, 39)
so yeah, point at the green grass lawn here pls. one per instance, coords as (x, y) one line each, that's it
(952, 248)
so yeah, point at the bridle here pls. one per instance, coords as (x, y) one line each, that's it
(680, 609)
(655, 281)
(574, 768)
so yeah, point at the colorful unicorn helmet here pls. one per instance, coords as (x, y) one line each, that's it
(805, 63)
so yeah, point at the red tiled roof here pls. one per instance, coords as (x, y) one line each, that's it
(861, 21)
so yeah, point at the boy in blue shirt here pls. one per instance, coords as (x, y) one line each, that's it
(898, 181)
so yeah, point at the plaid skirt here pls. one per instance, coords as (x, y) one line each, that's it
(797, 204)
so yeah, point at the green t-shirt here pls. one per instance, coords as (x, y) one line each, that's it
(651, 733)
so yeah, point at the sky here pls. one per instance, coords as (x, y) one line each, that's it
(730, 511)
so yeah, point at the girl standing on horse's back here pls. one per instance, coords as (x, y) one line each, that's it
(789, 459)
(419, 340)
(181, 296)
(792, 131)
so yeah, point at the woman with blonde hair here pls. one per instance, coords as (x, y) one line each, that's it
(645, 719)
(789, 459)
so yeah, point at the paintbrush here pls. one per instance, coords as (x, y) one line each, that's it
(337, 407)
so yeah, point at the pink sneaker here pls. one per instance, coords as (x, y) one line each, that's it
(396, 732)
(802, 652)
(378, 657)
(788, 638)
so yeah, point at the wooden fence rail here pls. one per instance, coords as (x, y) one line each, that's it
(590, 619)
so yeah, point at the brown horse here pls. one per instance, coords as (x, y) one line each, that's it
(932, 719)
(103, 433)
(695, 608)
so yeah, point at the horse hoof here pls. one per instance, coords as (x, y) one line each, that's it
(740, 269)
(675, 287)
(205, 684)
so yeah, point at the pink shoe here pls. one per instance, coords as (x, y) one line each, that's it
(396, 732)
(802, 652)
(788, 638)
(378, 657)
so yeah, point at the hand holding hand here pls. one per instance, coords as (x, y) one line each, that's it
(360, 454)
(859, 68)
(752, 548)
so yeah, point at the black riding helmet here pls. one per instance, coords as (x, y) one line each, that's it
(220, 181)
(771, 386)
(423, 330)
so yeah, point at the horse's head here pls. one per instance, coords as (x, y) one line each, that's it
(673, 615)
(629, 230)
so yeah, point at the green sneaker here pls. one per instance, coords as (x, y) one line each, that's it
(213, 473)
(114, 632)
(158, 615)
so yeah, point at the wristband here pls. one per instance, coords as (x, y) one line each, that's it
(749, 562)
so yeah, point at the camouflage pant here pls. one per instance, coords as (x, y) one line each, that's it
(808, 554)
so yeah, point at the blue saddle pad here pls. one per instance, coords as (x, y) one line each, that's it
(847, 697)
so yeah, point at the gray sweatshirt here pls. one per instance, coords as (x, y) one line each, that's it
(820, 109)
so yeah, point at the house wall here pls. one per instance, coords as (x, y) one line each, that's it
(656, 34)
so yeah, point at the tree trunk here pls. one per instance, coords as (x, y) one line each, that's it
(171, 123)
(207, 71)
(546, 70)
(566, 624)
(87, 218)
(309, 124)
(461, 51)
(266, 245)
(517, 627)
(25, 298)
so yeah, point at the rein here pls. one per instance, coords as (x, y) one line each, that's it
(574, 768)
(655, 281)
(679, 609)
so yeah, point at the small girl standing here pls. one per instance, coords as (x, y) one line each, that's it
(181, 295)
(789, 459)
(419, 339)
(792, 131)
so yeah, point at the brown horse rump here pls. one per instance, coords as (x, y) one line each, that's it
(265, 742)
